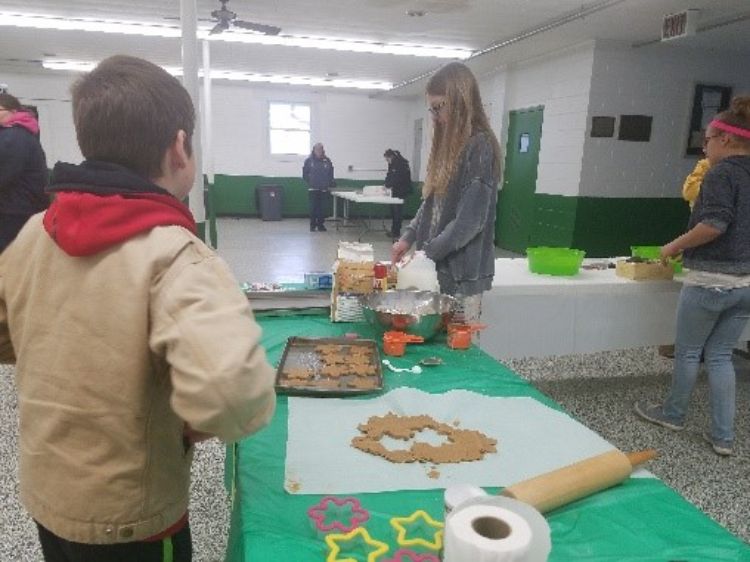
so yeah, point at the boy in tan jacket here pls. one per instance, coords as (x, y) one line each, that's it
(131, 338)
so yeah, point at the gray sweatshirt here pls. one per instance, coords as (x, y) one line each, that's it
(463, 244)
(724, 203)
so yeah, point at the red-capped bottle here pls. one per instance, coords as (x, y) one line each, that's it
(380, 277)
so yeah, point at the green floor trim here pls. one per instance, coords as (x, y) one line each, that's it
(602, 226)
(235, 196)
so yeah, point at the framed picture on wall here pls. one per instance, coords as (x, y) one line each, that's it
(708, 100)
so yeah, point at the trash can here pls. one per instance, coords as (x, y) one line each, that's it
(269, 199)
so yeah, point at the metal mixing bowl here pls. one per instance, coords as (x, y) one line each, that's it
(422, 313)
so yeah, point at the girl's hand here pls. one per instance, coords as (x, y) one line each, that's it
(398, 250)
(669, 250)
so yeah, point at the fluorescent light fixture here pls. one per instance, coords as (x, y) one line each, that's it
(37, 21)
(350, 45)
(86, 66)
(86, 24)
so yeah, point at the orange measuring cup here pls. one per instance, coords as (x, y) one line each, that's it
(459, 335)
(394, 343)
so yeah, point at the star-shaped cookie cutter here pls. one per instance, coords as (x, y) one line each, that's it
(319, 512)
(359, 533)
(406, 555)
(418, 520)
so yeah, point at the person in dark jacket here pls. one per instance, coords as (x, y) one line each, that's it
(318, 175)
(398, 180)
(23, 169)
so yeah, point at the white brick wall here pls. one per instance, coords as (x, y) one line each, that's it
(560, 83)
(655, 80)
(355, 129)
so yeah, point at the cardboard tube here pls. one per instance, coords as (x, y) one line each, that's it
(564, 485)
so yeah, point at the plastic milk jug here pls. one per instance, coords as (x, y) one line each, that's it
(418, 274)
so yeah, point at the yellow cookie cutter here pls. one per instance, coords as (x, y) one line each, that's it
(333, 543)
(399, 523)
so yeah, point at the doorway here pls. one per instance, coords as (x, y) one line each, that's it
(515, 212)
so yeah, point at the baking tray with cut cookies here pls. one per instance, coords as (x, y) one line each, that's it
(329, 367)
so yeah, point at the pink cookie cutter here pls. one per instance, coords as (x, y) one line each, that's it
(406, 555)
(343, 515)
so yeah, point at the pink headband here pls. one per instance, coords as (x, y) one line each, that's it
(739, 131)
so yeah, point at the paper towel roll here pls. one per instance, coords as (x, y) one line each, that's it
(496, 529)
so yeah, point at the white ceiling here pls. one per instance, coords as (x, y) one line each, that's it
(473, 24)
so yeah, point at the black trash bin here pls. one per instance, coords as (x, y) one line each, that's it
(269, 199)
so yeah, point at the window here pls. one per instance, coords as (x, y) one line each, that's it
(289, 128)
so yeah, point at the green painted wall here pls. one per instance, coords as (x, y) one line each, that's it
(605, 226)
(235, 196)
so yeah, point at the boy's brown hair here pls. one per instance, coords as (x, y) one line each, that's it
(9, 102)
(128, 111)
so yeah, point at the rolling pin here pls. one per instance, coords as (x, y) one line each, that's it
(575, 481)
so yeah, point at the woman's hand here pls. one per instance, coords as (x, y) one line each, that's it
(398, 250)
(669, 250)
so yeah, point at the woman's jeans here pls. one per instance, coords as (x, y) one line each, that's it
(709, 321)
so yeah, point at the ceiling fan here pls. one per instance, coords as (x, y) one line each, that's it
(226, 18)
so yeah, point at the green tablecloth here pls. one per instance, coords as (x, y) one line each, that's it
(641, 519)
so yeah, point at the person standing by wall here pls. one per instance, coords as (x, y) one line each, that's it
(318, 175)
(714, 304)
(455, 225)
(23, 169)
(398, 180)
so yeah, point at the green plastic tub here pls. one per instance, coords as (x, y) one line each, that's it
(646, 252)
(554, 261)
(654, 253)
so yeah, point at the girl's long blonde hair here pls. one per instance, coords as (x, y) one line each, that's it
(465, 117)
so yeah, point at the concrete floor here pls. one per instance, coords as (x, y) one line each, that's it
(598, 389)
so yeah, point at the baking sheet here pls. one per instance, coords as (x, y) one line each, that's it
(344, 357)
(531, 439)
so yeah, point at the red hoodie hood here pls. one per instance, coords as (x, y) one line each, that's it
(23, 119)
(84, 224)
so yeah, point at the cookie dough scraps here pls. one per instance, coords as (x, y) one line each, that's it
(461, 445)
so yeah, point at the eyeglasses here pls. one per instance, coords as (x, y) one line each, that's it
(708, 138)
(435, 109)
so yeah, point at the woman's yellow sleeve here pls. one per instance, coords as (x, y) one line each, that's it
(692, 186)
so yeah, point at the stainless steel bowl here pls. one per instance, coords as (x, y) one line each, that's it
(422, 313)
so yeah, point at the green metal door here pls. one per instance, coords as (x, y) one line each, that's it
(515, 206)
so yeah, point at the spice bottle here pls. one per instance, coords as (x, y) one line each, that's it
(380, 277)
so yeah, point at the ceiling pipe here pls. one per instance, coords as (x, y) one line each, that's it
(578, 14)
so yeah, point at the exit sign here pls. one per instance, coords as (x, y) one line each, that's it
(678, 25)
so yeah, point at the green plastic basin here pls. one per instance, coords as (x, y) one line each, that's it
(554, 261)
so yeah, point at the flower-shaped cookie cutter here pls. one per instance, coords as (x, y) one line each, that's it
(406, 555)
(419, 521)
(353, 542)
(339, 515)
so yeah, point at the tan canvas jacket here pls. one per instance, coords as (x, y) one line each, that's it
(114, 353)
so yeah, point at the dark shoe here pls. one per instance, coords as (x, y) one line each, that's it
(667, 351)
(654, 413)
(312, 228)
(723, 448)
(322, 228)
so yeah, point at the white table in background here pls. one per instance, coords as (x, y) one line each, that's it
(349, 197)
(530, 315)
